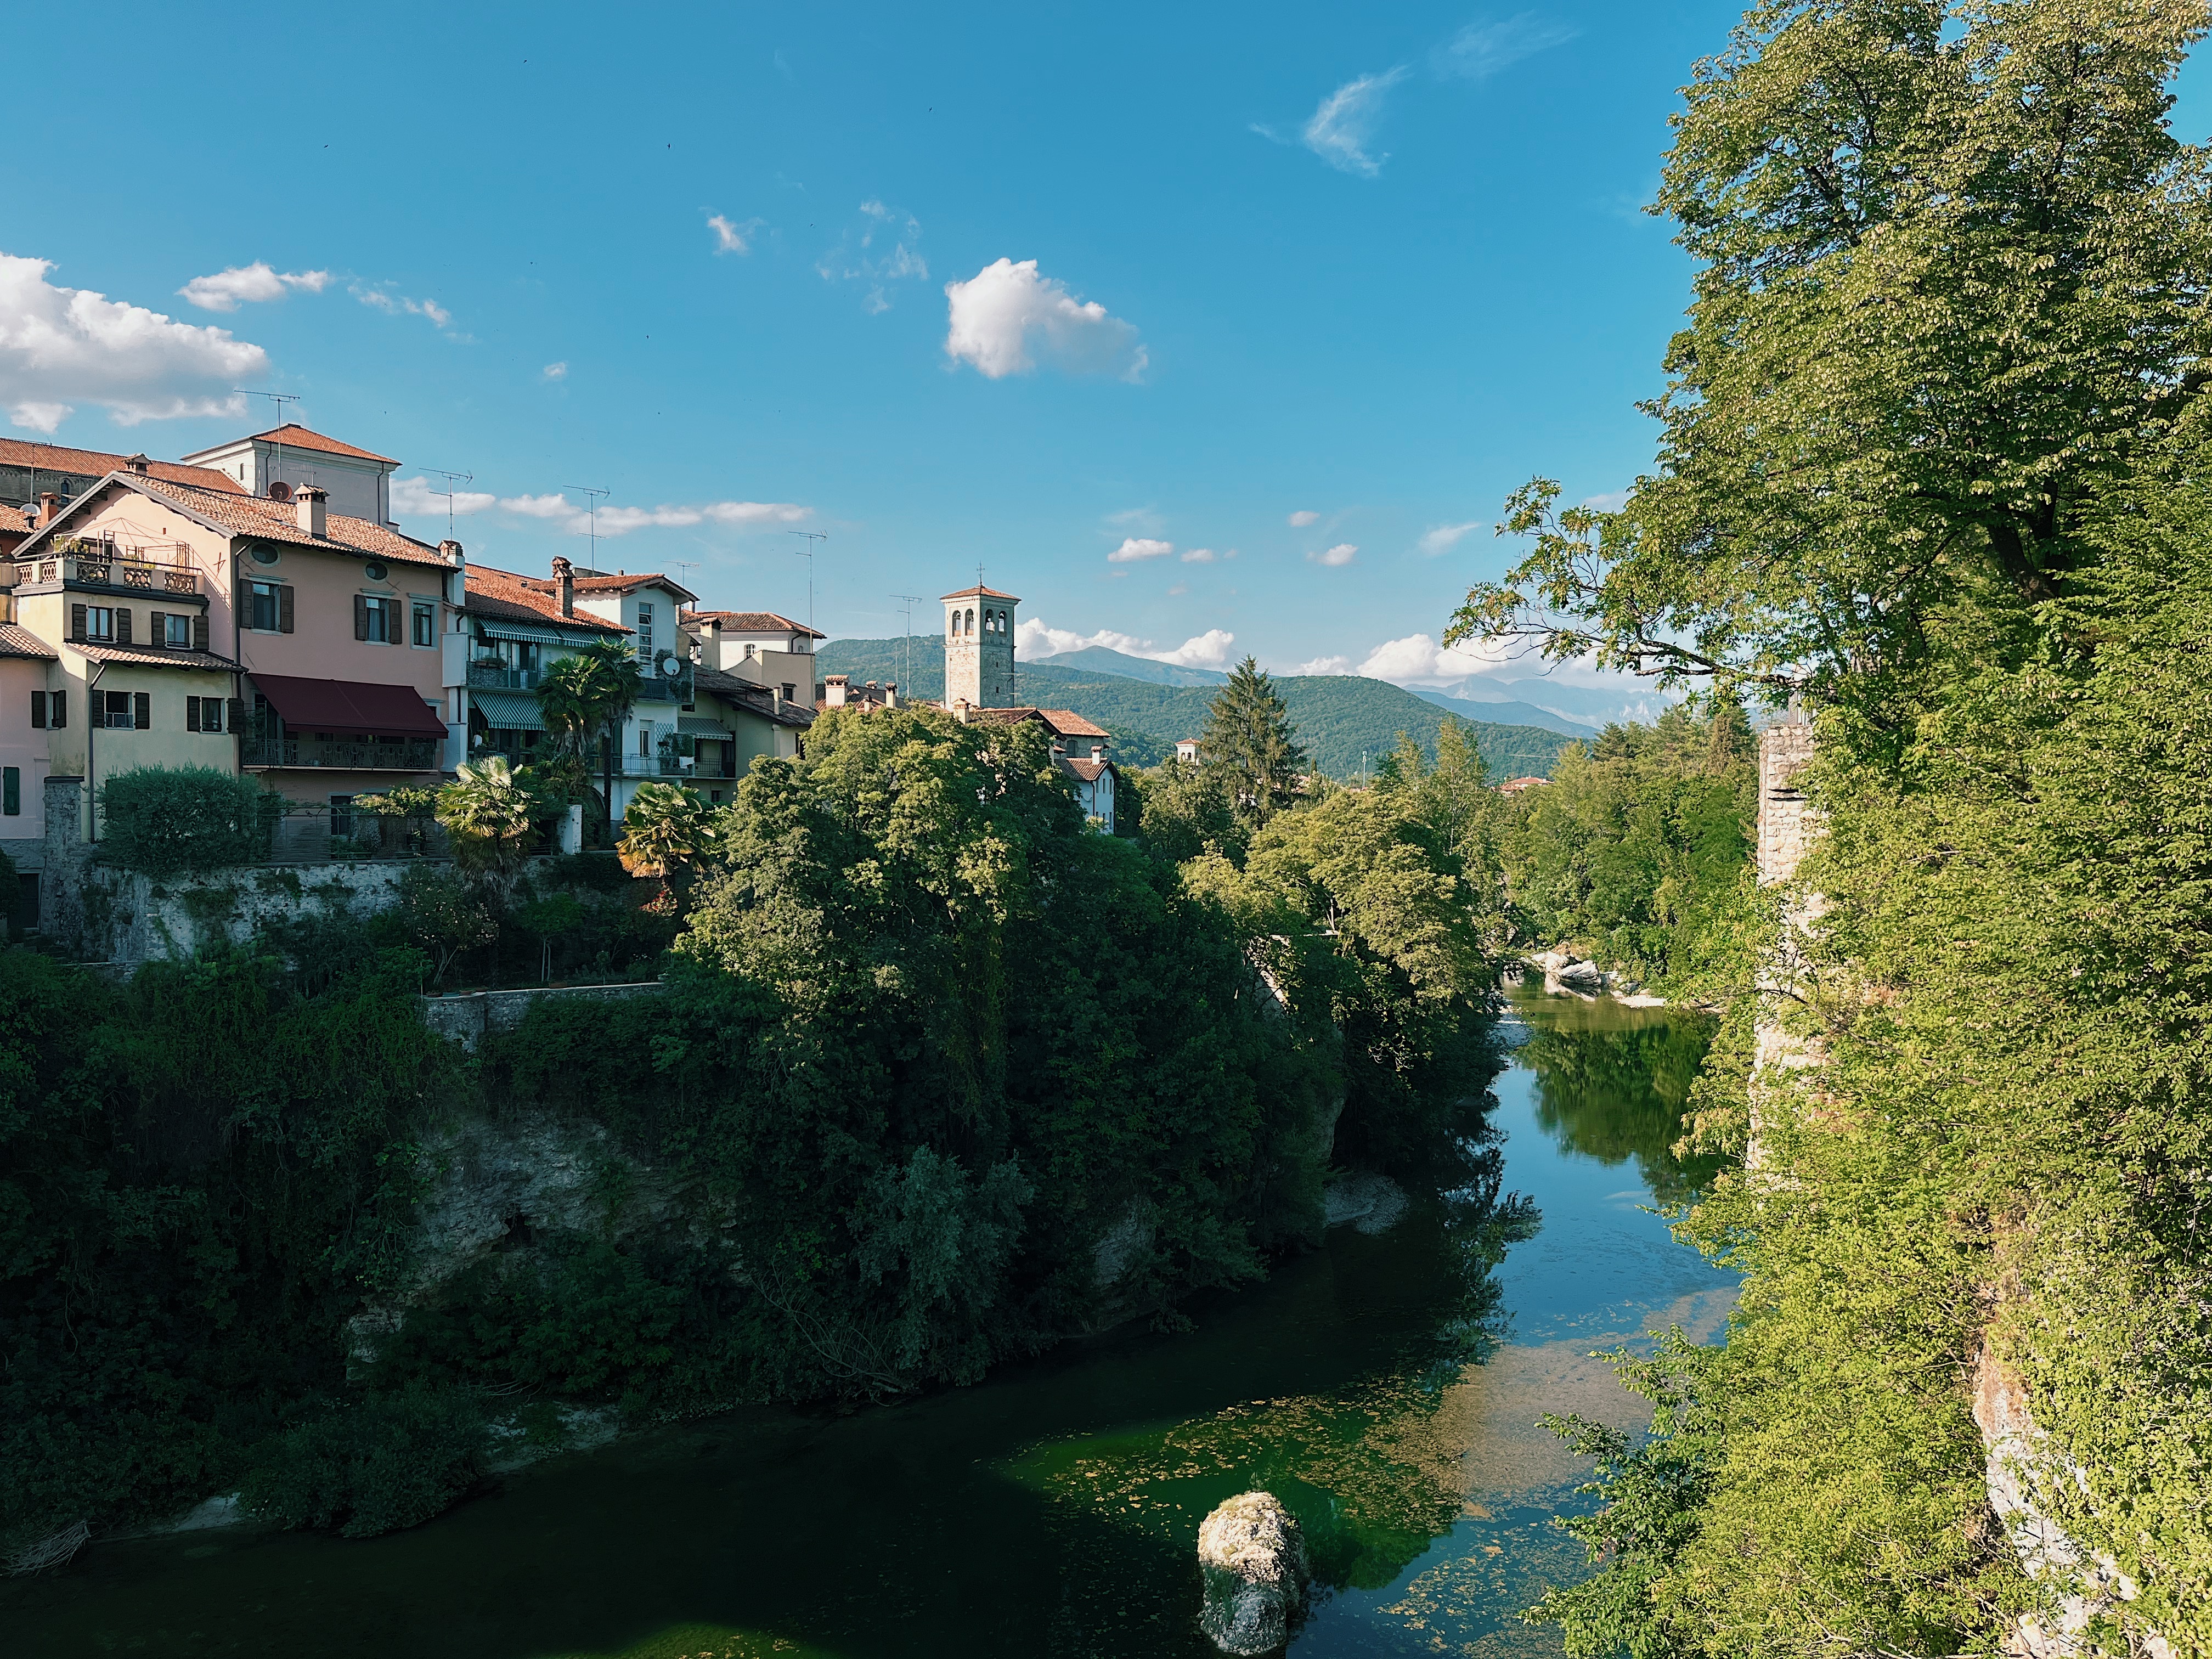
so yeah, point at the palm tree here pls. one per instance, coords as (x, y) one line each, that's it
(589, 695)
(665, 829)
(489, 813)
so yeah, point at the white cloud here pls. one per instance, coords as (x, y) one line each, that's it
(1418, 657)
(1342, 553)
(1206, 650)
(394, 305)
(64, 346)
(1339, 130)
(226, 289)
(857, 257)
(1611, 501)
(1133, 548)
(1007, 318)
(1325, 666)
(556, 371)
(538, 507)
(418, 497)
(1199, 556)
(1481, 50)
(1034, 637)
(732, 237)
(1445, 537)
(1302, 518)
(621, 520)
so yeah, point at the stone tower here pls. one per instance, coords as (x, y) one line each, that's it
(979, 647)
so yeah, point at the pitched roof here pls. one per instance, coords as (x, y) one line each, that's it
(294, 436)
(980, 592)
(1069, 724)
(1088, 771)
(146, 656)
(96, 463)
(503, 595)
(16, 518)
(751, 622)
(21, 643)
(626, 583)
(735, 688)
(238, 514)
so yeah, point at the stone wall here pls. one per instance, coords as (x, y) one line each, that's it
(1786, 822)
(467, 1015)
(129, 919)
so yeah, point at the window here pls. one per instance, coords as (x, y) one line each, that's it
(341, 817)
(426, 622)
(58, 703)
(38, 711)
(268, 607)
(376, 620)
(645, 633)
(791, 693)
(115, 710)
(100, 623)
(203, 714)
(644, 739)
(11, 792)
(177, 632)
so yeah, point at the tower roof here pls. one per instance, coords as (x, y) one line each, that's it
(980, 592)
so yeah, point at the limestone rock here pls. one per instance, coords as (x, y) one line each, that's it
(1254, 1563)
(1372, 1203)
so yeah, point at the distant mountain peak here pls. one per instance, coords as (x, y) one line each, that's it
(1101, 659)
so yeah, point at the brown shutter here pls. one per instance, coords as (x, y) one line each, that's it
(284, 609)
(245, 602)
(200, 632)
(191, 713)
(391, 624)
(235, 715)
(121, 625)
(60, 702)
(38, 711)
(76, 622)
(157, 630)
(141, 710)
(361, 616)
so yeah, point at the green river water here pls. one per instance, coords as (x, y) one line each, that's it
(1387, 1387)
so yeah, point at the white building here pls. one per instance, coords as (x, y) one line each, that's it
(357, 482)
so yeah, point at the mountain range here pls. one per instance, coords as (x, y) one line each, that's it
(1348, 724)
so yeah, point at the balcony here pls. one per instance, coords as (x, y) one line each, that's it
(407, 755)
(655, 766)
(658, 688)
(129, 572)
(500, 677)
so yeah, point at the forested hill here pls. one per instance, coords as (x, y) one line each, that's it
(1342, 719)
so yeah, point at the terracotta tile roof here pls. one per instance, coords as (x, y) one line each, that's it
(1068, 724)
(15, 519)
(758, 698)
(980, 592)
(298, 437)
(624, 584)
(98, 463)
(503, 595)
(1088, 771)
(751, 622)
(148, 657)
(17, 641)
(275, 521)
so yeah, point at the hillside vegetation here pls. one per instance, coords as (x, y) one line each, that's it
(1343, 722)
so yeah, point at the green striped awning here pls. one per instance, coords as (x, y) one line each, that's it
(525, 632)
(509, 711)
(699, 726)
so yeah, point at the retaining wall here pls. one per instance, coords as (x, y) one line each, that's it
(467, 1015)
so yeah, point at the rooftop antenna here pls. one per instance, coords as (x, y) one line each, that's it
(684, 564)
(453, 481)
(279, 399)
(911, 600)
(812, 537)
(591, 514)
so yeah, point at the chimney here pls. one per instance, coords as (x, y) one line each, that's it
(890, 694)
(564, 584)
(960, 709)
(1098, 751)
(50, 507)
(311, 506)
(139, 464)
(833, 690)
(775, 698)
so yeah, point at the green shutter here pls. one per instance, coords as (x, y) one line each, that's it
(11, 792)
(141, 710)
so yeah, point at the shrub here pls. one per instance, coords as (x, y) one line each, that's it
(165, 821)
(384, 1463)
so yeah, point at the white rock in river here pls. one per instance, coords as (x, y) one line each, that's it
(1255, 1565)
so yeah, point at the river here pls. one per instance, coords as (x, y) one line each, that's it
(1387, 1387)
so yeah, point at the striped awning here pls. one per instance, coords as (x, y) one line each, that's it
(530, 635)
(509, 711)
(699, 726)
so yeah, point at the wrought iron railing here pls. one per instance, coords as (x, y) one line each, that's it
(666, 688)
(408, 755)
(503, 676)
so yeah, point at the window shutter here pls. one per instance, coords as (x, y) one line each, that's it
(392, 634)
(121, 625)
(76, 622)
(141, 710)
(284, 609)
(11, 792)
(200, 632)
(38, 711)
(361, 616)
(59, 700)
(244, 611)
(235, 715)
(191, 713)
(157, 630)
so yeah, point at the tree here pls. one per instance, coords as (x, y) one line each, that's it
(1952, 275)
(665, 829)
(489, 813)
(1250, 739)
(587, 698)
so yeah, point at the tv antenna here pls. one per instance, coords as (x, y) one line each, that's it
(279, 399)
(911, 601)
(812, 537)
(684, 564)
(591, 514)
(453, 481)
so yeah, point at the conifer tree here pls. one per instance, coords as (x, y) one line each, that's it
(1248, 736)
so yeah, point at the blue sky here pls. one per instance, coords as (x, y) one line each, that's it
(1374, 264)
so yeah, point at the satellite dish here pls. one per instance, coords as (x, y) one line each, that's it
(668, 665)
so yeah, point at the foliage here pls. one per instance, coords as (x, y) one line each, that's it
(370, 1466)
(445, 913)
(165, 821)
(1249, 740)
(585, 700)
(490, 814)
(1182, 810)
(404, 815)
(664, 830)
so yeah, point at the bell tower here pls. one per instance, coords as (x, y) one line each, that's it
(979, 647)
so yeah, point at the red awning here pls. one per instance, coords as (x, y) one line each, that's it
(390, 711)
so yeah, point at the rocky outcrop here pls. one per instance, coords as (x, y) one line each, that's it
(1369, 1203)
(1567, 974)
(1254, 1562)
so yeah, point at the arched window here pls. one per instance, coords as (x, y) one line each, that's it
(971, 620)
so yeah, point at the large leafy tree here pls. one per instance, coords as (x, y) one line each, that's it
(585, 700)
(1953, 269)
(1250, 739)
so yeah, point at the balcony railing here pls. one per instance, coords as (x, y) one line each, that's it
(120, 570)
(657, 688)
(408, 755)
(500, 677)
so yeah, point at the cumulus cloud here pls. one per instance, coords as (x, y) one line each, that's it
(1342, 553)
(1007, 319)
(1339, 129)
(1206, 650)
(558, 509)
(1302, 518)
(60, 347)
(1417, 658)
(1133, 548)
(1034, 637)
(1325, 666)
(556, 371)
(1445, 537)
(732, 236)
(395, 305)
(247, 284)
(1199, 556)
(1481, 50)
(420, 497)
